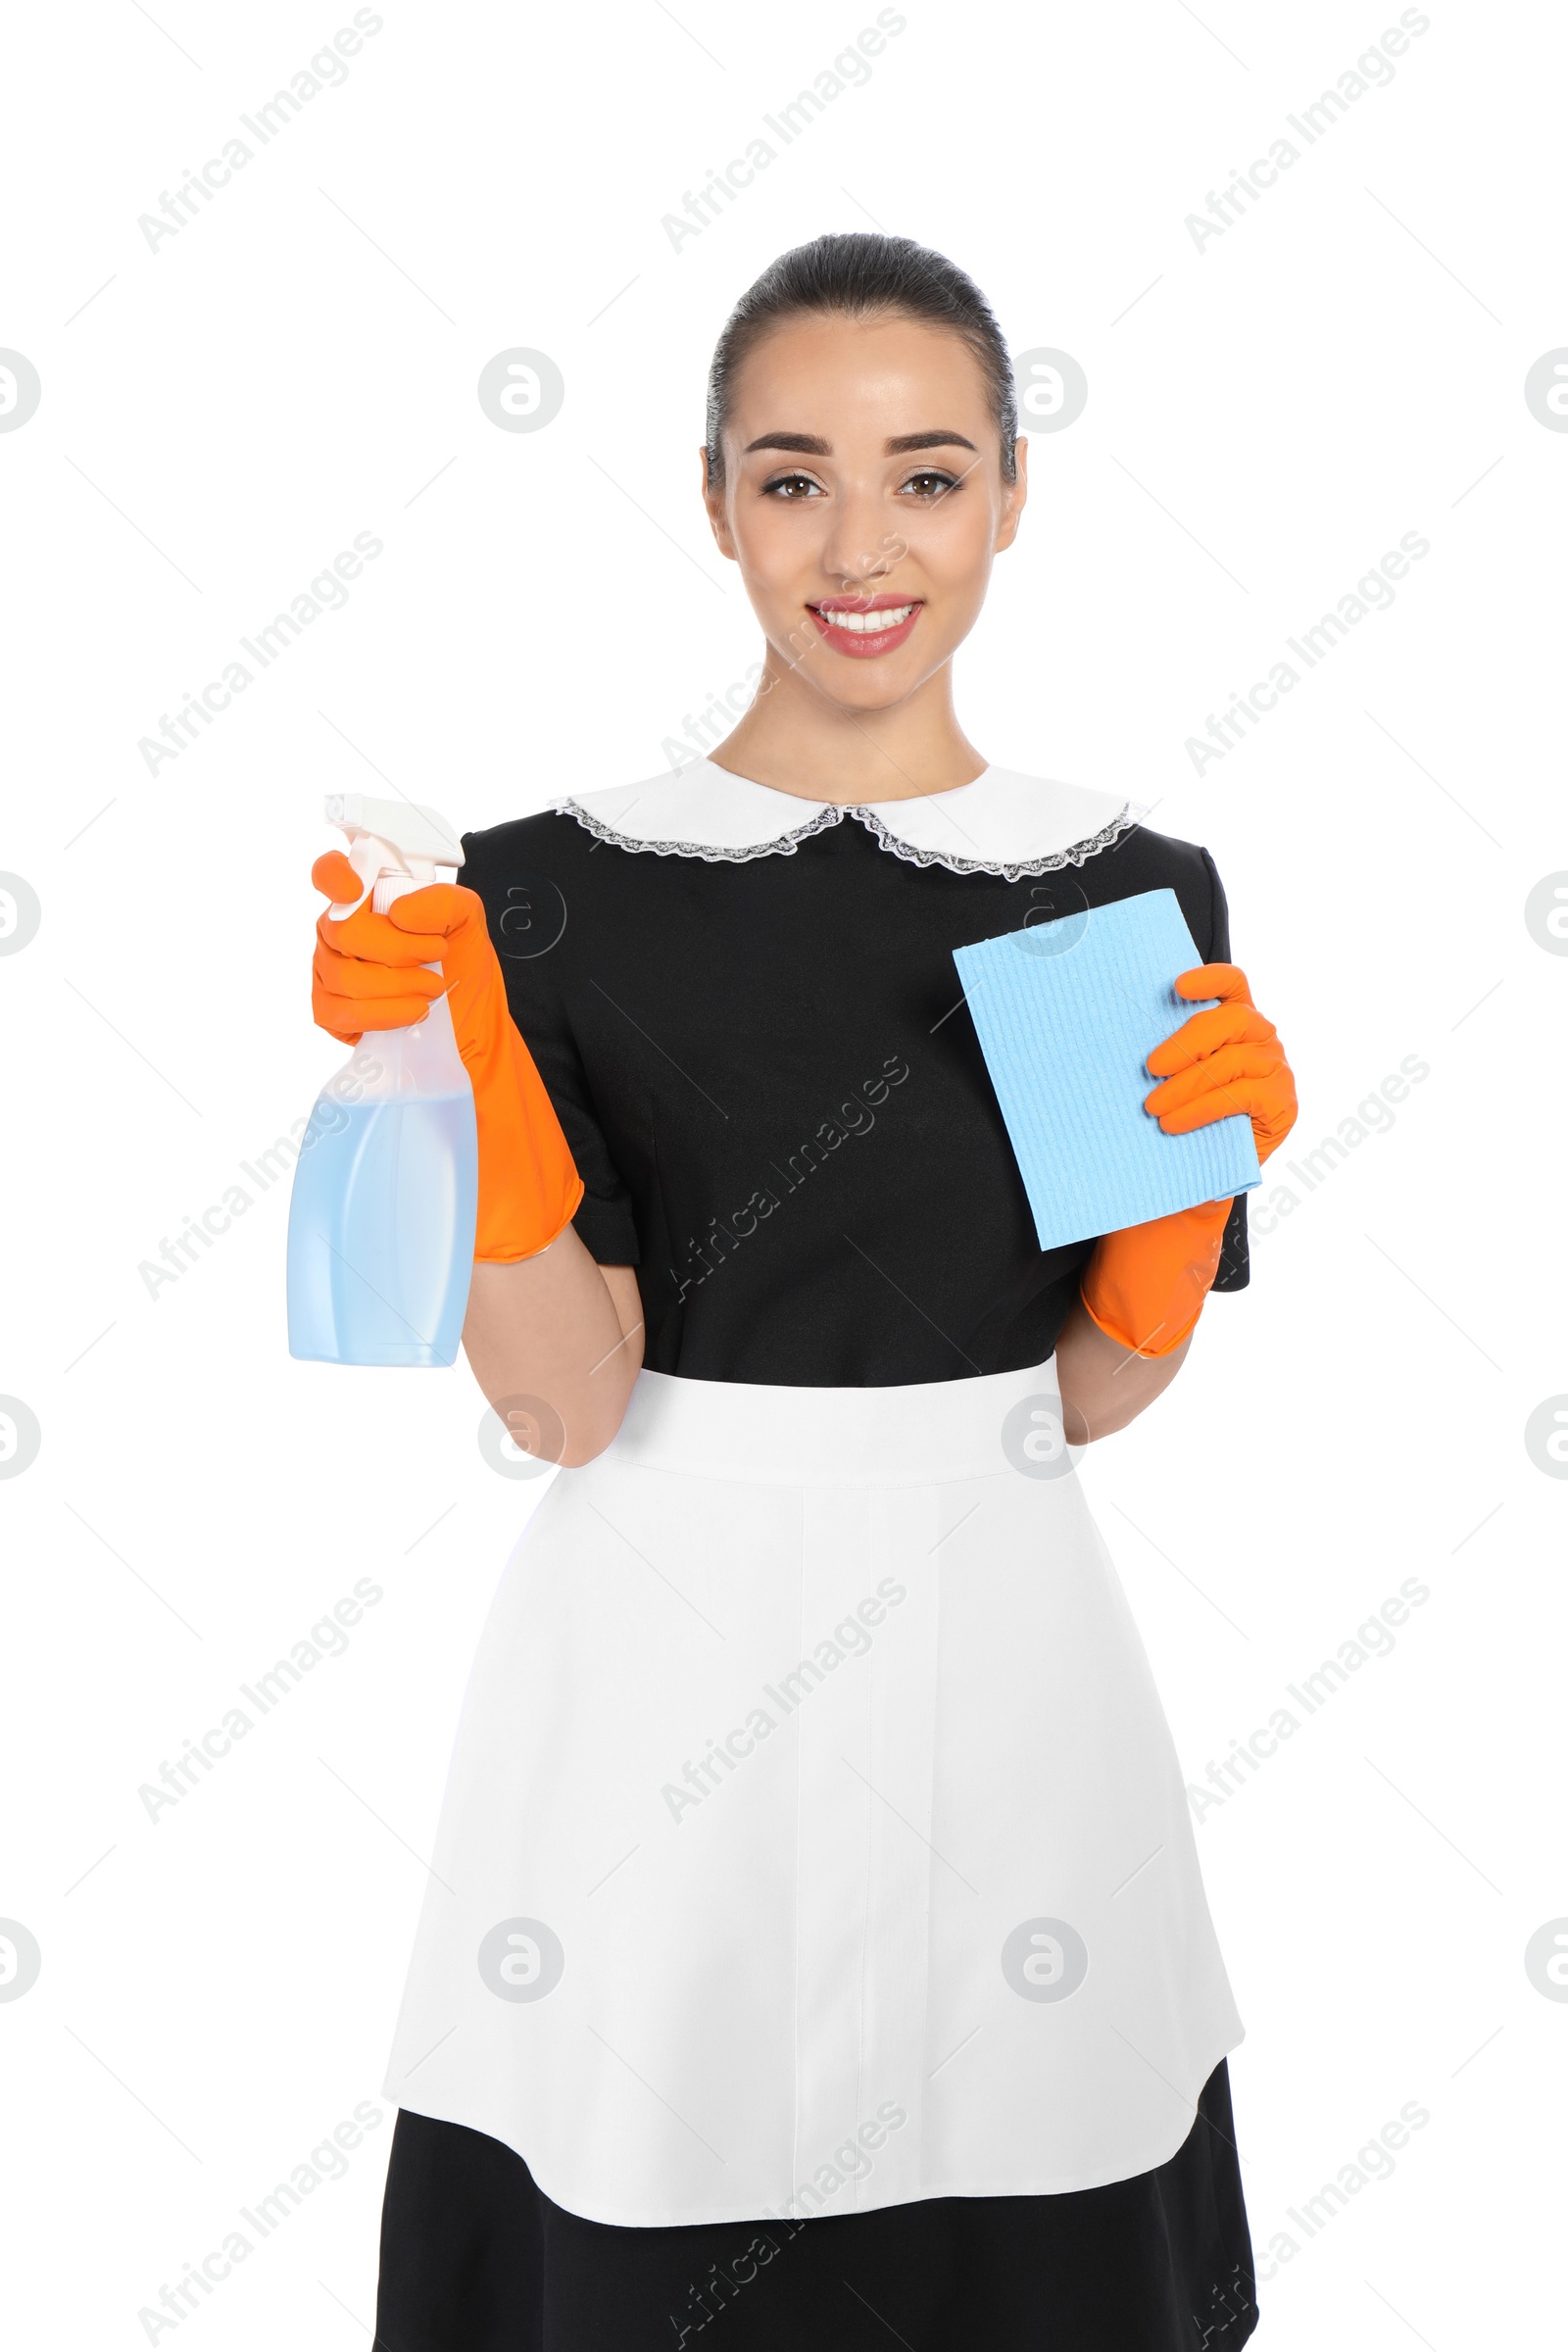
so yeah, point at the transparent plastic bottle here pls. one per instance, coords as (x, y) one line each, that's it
(381, 1218)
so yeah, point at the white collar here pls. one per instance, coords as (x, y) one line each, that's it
(1002, 823)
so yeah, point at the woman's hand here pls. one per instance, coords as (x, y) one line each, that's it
(368, 970)
(1146, 1286)
(369, 974)
(1221, 1062)
(554, 1339)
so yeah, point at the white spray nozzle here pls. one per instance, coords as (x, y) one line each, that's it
(394, 847)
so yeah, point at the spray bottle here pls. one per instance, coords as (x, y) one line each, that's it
(381, 1219)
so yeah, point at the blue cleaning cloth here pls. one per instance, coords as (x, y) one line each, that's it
(1066, 1013)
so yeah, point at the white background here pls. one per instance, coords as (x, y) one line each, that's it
(1266, 416)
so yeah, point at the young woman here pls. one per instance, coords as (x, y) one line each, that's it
(816, 1949)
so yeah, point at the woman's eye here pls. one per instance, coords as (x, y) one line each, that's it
(930, 484)
(790, 486)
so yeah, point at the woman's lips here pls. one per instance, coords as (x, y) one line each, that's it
(853, 624)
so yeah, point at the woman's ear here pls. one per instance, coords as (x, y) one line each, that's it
(1014, 498)
(714, 500)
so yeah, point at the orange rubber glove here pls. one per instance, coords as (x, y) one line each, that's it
(367, 974)
(1146, 1286)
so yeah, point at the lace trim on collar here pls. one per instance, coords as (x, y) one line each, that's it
(784, 845)
(712, 852)
(1078, 852)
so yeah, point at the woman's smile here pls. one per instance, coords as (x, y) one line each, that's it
(864, 626)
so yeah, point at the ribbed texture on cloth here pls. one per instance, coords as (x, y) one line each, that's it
(1066, 1013)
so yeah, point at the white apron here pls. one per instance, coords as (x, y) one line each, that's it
(815, 1840)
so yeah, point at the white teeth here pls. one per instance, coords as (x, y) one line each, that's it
(869, 624)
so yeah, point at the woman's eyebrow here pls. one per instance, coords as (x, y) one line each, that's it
(811, 445)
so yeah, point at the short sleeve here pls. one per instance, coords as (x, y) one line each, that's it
(1235, 1265)
(521, 935)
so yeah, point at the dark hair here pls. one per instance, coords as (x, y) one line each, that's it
(863, 275)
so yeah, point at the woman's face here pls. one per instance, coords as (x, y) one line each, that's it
(863, 501)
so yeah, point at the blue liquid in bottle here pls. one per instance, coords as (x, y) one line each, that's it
(381, 1219)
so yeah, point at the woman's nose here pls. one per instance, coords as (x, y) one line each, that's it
(858, 549)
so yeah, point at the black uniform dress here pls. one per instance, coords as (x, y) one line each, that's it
(774, 1093)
